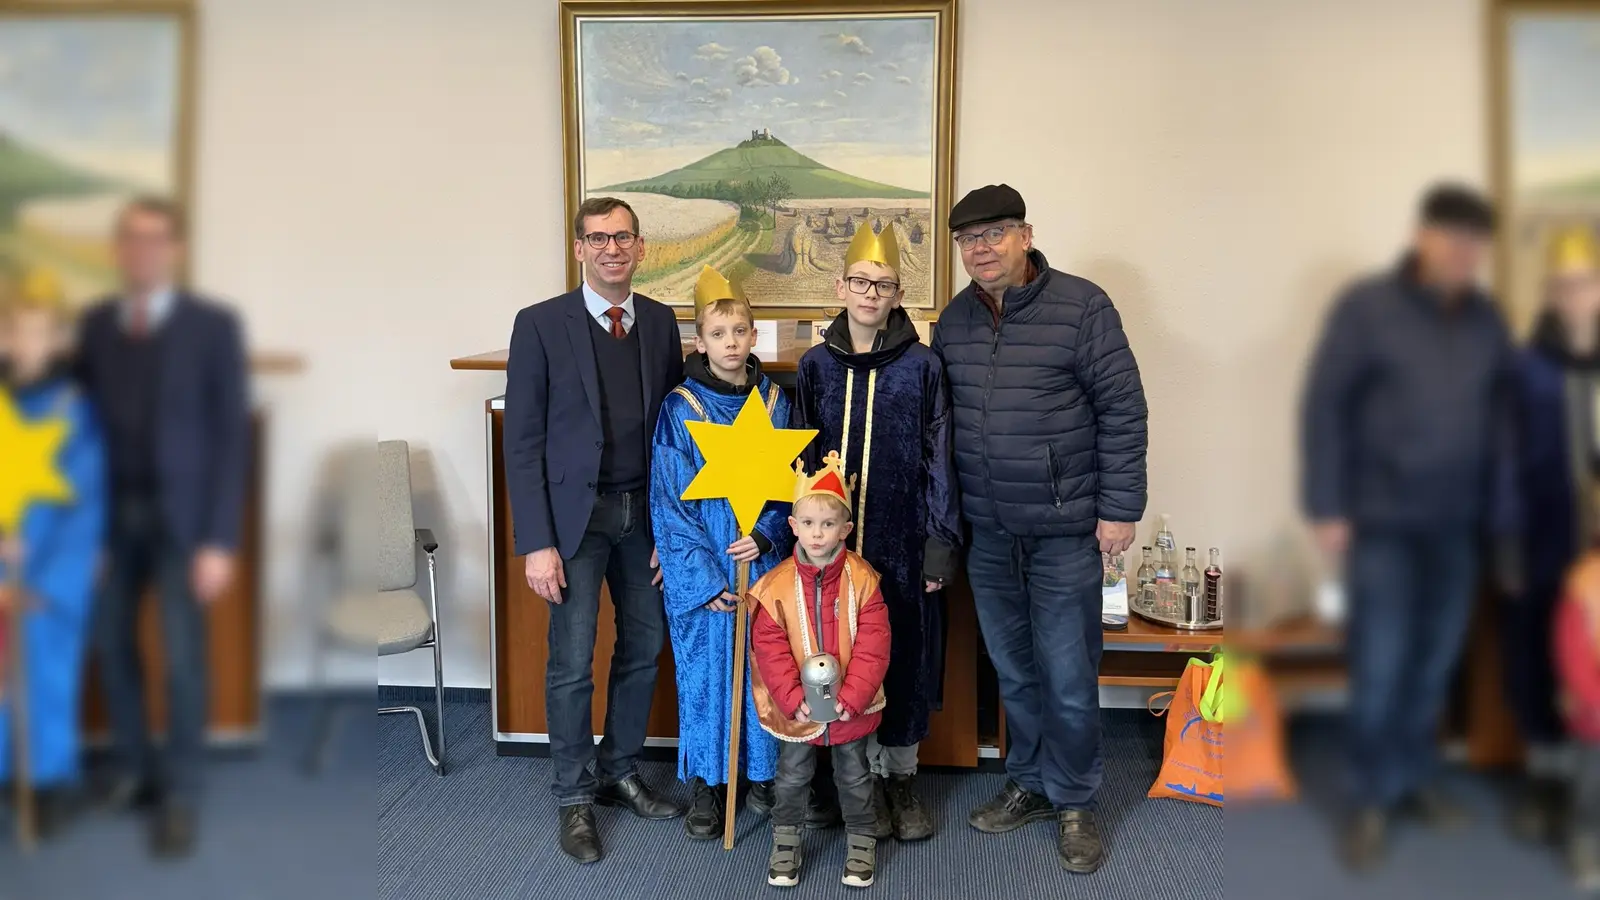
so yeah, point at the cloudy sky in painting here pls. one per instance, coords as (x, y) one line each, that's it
(837, 81)
(67, 84)
(1555, 90)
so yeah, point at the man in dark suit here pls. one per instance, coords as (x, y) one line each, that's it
(587, 374)
(166, 369)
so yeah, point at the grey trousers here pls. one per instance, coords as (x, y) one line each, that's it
(888, 761)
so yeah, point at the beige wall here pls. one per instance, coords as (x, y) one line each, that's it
(379, 188)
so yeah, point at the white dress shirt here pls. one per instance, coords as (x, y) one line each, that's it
(597, 306)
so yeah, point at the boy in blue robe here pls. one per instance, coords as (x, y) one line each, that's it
(57, 550)
(700, 548)
(879, 398)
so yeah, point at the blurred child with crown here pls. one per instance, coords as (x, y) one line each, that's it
(878, 397)
(57, 549)
(820, 636)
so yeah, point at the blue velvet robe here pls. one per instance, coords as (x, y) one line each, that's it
(905, 505)
(61, 548)
(692, 538)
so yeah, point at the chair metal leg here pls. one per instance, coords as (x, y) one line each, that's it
(323, 729)
(422, 725)
(438, 666)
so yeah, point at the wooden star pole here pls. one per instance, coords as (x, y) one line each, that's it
(29, 476)
(747, 463)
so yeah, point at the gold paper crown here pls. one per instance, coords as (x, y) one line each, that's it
(711, 287)
(41, 288)
(1574, 247)
(830, 480)
(870, 246)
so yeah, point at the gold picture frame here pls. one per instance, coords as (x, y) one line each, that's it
(756, 208)
(1538, 173)
(63, 220)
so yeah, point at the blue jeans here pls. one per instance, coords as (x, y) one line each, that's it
(1038, 602)
(142, 553)
(1411, 598)
(616, 548)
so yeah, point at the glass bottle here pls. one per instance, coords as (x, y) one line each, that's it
(1193, 599)
(1214, 587)
(1147, 583)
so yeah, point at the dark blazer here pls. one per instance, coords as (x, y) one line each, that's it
(202, 428)
(552, 420)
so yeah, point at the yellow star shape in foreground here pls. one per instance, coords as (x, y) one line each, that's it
(28, 472)
(748, 462)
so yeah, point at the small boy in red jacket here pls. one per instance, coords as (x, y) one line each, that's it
(823, 599)
(1577, 659)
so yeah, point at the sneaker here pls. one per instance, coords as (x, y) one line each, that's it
(910, 818)
(1436, 810)
(704, 820)
(1583, 860)
(860, 861)
(882, 820)
(761, 797)
(783, 863)
(1012, 808)
(1538, 811)
(1078, 844)
(1364, 840)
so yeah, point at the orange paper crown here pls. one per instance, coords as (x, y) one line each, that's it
(830, 480)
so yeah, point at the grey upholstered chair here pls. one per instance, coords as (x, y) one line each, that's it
(379, 608)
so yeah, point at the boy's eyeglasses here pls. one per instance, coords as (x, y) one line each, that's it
(884, 289)
(599, 239)
(991, 236)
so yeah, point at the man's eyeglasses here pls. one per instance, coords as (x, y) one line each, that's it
(991, 236)
(599, 239)
(884, 289)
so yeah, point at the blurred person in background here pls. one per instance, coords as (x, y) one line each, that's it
(1553, 479)
(58, 548)
(1404, 401)
(166, 370)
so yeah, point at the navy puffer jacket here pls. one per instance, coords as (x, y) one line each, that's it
(1049, 413)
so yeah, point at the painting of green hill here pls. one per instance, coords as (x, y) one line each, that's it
(759, 159)
(28, 174)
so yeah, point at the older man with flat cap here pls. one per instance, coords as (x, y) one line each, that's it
(1050, 441)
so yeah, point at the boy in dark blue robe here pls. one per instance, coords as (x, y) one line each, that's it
(879, 398)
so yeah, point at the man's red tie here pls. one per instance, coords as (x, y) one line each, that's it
(617, 331)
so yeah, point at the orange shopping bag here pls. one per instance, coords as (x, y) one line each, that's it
(1192, 751)
(1257, 764)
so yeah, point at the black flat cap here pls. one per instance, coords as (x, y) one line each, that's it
(1457, 206)
(990, 203)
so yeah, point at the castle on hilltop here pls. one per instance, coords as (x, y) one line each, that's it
(764, 134)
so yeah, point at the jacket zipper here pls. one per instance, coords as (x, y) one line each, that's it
(1055, 483)
(983, 420)
(821, 646)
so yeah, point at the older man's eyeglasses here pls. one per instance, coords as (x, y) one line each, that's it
(599, 239)
(991, 236)
(884, 289)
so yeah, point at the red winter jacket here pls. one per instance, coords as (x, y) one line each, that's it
(1578, 667)
(869, 656)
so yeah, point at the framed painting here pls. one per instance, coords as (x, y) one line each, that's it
(1546, 136)
(756, 137)
(95, 101)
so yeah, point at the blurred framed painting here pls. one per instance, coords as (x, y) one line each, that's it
(757, 137)
(1545, 93)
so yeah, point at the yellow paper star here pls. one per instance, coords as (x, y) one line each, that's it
(29, 474)
(748, 462)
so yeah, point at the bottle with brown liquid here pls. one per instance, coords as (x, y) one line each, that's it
(1214, 587)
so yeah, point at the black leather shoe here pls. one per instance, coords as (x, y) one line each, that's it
(1435, 810)
(822, 813)
(761, 798)
(579, 837)
(882, 821)
(1538, 813)
(172, 832)
(1012, 808)
(704, 820)
(1078, 841)
(908, 816)
(630, 793)
(1364, 840)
